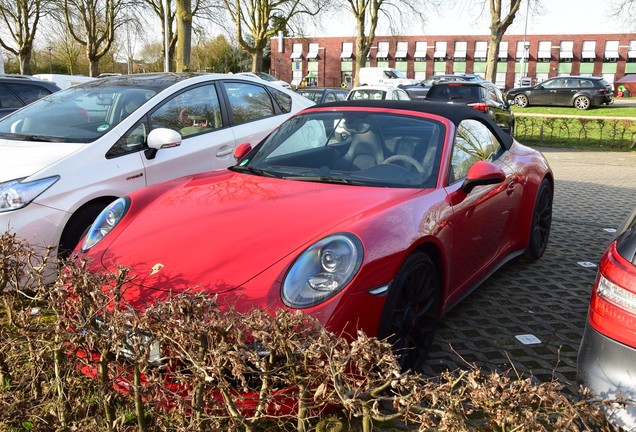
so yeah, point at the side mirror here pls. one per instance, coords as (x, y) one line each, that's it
(482, 173)
(161, 138)
(241, 151)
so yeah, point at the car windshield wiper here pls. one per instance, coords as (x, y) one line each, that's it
(256, 171)
(324, 179)
(26, 137)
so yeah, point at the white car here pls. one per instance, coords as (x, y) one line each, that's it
(67, 156)
(266, 77)
(378, 92)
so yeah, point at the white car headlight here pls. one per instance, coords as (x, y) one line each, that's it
(15, 194)
(105, 222)
(322, 270)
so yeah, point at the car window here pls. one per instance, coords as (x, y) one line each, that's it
(28, 92)
(587, 84)
(473, 142)
(330, 97)
(248, 102)
(367, 95)
(194, 111)
(555, 83)
(313, 95)
(375, 149)
(341, 95)
(132, 141)
(8, 99)
(283, 100)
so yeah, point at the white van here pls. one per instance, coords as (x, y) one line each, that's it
(64, 81)
(384, 76)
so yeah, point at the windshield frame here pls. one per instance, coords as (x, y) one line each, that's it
(316, 146)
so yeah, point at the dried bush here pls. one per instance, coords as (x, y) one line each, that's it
(74, 355)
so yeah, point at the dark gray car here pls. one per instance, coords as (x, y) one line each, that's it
(481, 95)
(20, 90)
(578, 91)
(418, 91)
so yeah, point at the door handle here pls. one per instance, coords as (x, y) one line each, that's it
(224, 152)
(511, 187)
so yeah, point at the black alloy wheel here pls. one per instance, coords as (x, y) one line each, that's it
(541, 222)
(411, 309)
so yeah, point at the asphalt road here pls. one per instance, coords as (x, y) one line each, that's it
(530, 316)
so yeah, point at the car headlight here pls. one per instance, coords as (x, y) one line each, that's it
(15, 194)
(322, 270)
(105, 222)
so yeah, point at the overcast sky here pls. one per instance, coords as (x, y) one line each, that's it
(559, 17)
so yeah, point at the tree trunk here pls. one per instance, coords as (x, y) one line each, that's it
(184, 34)
(257, 61)
(493, 56)
(25, 61)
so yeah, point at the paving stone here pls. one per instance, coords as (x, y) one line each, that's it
(548, 298)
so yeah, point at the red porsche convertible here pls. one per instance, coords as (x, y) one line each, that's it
(377, 216)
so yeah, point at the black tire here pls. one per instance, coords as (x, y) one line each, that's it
(77, 227)
(409, 318)
(582, 102)
(541, 222)
(521, 100)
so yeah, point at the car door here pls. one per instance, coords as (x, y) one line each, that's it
(544, 93)
(254, 110)
(563, 95)
(207, 140)
(482, 220)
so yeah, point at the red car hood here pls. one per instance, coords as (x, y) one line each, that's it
(215, 232)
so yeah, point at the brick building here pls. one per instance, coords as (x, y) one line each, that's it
(330, 61)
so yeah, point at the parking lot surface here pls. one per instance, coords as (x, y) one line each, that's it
(530, 316)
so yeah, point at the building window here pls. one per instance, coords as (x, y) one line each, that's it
(631, 52)
(440, 51)
(544, 55)
(481, 51)
(460, 51)
(566, 51)
(523, 50)
(401, 51)
(503, 51)
(297, 51)
(611, 52)
(313, 51)
(383, 51)
(420, 51)
(588, 53)
(347, 52)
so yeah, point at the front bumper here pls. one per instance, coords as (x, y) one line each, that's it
(608, 368)
(39, 225)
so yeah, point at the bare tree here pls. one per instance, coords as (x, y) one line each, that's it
(20, 22)
(97, 21)
(498, 27)
(184, 34)
(253, 21)
(367, 14)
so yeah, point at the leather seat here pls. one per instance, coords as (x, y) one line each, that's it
(364, 152)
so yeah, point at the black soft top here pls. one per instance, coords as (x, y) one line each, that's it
(455, 113)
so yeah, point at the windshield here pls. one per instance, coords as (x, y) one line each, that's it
(365, 94)
(351, 147)
(80, 114)
(266, 76)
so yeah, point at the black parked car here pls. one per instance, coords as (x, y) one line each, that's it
(17, 91)
(578, 91)
(607, 355)
(418, 91)
(481, 95)
(323, 94)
